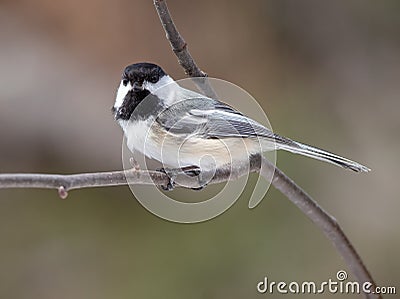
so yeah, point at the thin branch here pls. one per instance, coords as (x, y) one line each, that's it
(180, 48)
(281, 181)
(64, 183)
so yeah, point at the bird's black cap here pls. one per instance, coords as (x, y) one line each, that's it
(143, 71)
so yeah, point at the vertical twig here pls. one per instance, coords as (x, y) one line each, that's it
(180, 48)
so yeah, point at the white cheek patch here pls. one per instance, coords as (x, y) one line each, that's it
(166, 89)
(121, 93)
(152, 87)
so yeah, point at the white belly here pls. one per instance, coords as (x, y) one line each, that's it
(177, 152)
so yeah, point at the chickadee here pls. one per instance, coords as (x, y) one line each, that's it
(179, 127)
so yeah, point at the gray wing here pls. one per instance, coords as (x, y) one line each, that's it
(213, 119)
(210, 119)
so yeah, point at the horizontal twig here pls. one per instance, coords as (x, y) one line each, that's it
(67, 182)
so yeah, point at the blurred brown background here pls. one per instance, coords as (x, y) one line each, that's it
(326, 73)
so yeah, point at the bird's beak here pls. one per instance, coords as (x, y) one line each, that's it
(137, 86)
(116, 113)
(119, 113)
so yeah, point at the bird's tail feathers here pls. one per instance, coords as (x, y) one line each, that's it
(316, 153)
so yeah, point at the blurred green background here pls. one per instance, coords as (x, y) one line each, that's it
(326, 73)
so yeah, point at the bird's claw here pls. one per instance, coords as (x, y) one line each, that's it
(195, 171)
(171, 174)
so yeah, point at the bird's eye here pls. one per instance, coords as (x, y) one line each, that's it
(125, 82)
(153, 79)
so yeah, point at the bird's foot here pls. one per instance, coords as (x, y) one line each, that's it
(195, 171)
(171, 174)
(191, 171)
